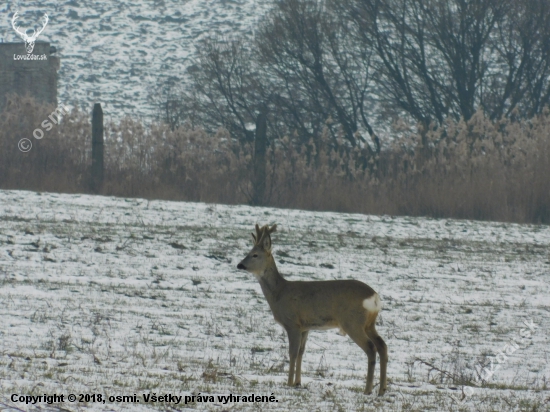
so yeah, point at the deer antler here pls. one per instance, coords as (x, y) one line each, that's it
(35, 34)
(45, 20)
(262, 232)
(16, 28)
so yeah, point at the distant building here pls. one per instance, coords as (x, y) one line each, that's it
(36, 77)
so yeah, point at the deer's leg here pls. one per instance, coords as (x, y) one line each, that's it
(294, 341)
(358, 335)
(371, 354)
(382, 350)
(298, 380)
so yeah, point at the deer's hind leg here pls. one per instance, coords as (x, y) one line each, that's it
(382, 350)
(371, 354)
(359, 336)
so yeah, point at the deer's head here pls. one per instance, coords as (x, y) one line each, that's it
(258, 258)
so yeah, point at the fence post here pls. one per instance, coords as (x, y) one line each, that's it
(260, 144)
(97, 148)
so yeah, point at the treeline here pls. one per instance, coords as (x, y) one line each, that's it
(476, 169)
(357, 67)
(417, 107)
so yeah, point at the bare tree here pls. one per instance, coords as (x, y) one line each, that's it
(341, 64)
(318, 70)
(429, 52)
(437, 58)
(167, 99)
(521, 80)
(227, 91)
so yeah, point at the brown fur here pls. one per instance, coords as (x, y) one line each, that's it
(303, 306)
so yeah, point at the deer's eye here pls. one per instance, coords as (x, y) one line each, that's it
(254, 255)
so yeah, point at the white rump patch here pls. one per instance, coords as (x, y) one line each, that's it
(373, 304)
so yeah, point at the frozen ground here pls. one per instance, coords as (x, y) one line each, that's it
(127, 296)
(117, 52)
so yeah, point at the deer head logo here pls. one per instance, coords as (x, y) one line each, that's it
(29, 40)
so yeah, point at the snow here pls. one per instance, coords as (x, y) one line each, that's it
(130, 296)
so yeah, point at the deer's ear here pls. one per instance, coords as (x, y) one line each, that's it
(266, 242)
(253, 237)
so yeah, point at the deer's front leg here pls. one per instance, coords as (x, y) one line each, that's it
(294, 342)
(298, 380)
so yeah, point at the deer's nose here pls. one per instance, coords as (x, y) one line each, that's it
(241, 266)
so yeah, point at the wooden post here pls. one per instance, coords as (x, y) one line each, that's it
(260, 145)
(97, 148)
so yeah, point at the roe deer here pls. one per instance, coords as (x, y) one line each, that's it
(300, 307)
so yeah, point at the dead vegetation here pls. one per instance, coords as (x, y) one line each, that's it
(478, 169)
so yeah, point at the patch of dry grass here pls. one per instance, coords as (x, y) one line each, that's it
(477, 169)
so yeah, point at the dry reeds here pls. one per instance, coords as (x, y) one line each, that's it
(477, 169)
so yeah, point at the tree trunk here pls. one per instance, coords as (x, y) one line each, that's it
(260, 145)
(97, 149)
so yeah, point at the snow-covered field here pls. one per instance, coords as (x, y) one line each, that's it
(127, 296)
(117, 52)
